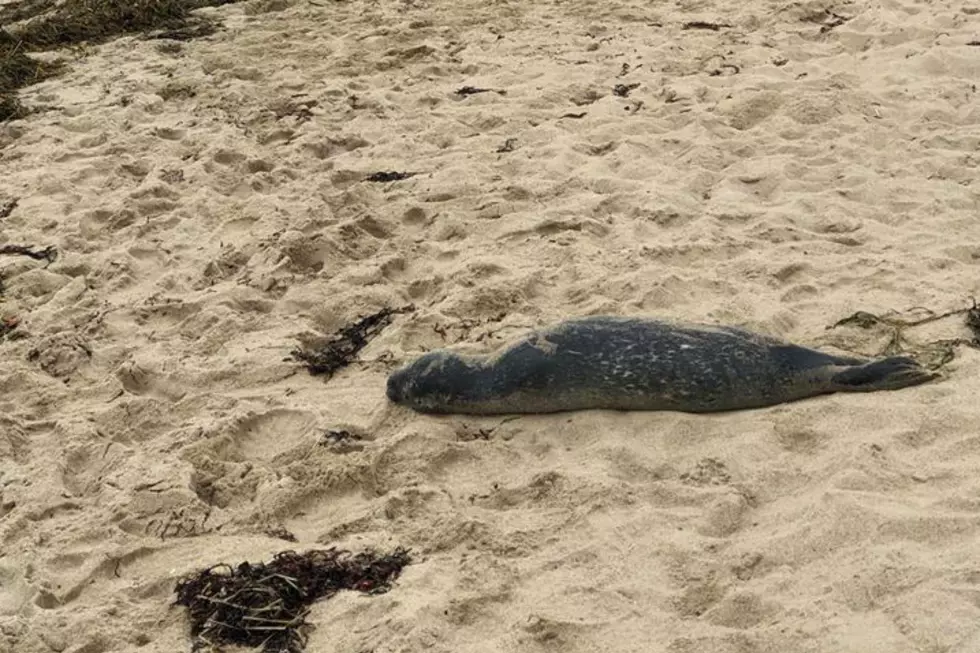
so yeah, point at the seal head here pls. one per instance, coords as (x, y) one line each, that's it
(439, 381)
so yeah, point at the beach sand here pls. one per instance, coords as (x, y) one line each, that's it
(801, 162)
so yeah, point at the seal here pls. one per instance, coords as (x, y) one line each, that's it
(626, 363)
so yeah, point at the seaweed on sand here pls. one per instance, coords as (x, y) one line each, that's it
(937, 352)
(346, 343)
(266, 604)
(83, 21)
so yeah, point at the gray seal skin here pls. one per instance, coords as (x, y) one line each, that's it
(618, 363)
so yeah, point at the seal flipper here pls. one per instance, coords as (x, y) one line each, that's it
(886, 374)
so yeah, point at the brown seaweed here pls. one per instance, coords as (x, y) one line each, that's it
(266, 605)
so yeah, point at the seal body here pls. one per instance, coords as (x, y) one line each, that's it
(618, 363)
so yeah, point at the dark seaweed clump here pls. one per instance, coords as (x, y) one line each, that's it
(83, 21)
(266, 604)
(346, 343)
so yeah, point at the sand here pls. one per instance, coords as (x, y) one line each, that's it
(210, 205)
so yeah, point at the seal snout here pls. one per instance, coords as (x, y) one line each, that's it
(394, 390)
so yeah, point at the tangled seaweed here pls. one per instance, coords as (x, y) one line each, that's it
(938, 352)
(71, 22)
(341, 349)
(265, 605)
(18, 70)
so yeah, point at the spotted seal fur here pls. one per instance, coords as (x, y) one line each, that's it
(623, 363)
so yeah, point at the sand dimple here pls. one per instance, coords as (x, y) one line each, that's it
(264, 436)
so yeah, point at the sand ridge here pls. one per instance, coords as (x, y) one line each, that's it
(210, 204)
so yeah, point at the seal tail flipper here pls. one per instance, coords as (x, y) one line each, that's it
(886, 374)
